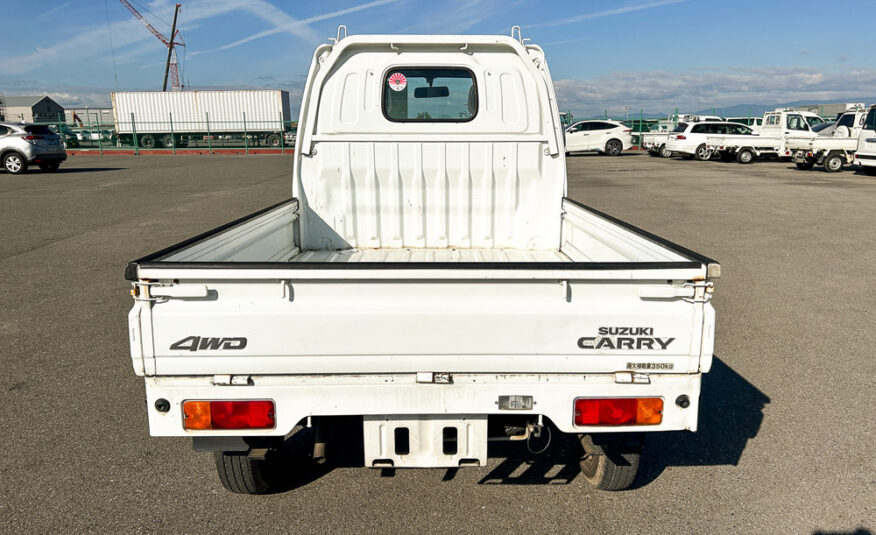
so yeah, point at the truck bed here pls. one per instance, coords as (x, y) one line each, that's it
(267, 239)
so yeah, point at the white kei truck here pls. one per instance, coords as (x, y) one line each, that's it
(429, 278)
(744, 148)
(832, 152)
(865, 156)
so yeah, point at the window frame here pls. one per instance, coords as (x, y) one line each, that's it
(385, 87)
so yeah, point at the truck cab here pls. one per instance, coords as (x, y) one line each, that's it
(789, 124)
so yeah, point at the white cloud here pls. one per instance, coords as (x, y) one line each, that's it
(663, 91)
(284, 23)
(605, 13)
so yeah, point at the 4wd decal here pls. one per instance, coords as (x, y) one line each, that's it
(625, 338)
(198, 343)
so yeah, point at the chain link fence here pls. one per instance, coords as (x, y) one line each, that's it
(139, 135)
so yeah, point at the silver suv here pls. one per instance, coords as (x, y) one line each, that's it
(24, 144)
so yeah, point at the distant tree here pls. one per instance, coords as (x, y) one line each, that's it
(424, 115)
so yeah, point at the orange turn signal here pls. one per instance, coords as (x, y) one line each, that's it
(197, 415)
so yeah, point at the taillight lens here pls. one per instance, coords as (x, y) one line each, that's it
(680, 137)
(626, 131)
(238, 414)
(618, 411)
(32, 139)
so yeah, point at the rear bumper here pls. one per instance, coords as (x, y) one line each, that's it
(297, 397)
(47, 157)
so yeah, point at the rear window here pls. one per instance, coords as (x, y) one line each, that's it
(39, 130)
(847, 120)
(870, 123)
(429, 95)
(680, 128)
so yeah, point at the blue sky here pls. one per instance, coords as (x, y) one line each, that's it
(651, 54)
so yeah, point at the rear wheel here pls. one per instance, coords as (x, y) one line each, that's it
(804, 165)
(49, 167)
(666, 153)
(745, 156)
(614, 147)
(14, 163)
(273, 140)
(702, 153)
(616, 469)
(147, 141)
(241, 475)
(834, 163)
(167, 141)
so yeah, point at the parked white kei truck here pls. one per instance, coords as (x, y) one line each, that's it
(429, 278)
(865, 156)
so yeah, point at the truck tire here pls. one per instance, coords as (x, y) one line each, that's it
(147, 141)
(614, 147)
(666, 153)
(14, 163)
(273, 140)
(167, 141)
(834, 163)
(804, 165)
(702, 153)
(241, 475)
(745, 156)
(616, 470)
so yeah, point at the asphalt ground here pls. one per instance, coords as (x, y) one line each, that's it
(786, 423)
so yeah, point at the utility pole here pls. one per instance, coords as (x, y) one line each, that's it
(170, 47)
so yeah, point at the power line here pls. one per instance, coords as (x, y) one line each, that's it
(112, 48)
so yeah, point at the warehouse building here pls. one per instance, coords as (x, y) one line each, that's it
(30, 109)
(829, 110)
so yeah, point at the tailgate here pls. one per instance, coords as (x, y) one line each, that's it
(369, 326)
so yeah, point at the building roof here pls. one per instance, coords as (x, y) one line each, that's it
(22, 101)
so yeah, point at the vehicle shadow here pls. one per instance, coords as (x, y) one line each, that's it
(731, 412)
(63, 170)
(593, 154)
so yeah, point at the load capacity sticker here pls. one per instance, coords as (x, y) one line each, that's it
(397, 81)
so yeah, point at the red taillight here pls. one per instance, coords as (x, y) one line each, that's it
(32, 139)
(680, 137)
(630, 130)
(248, 414)
(618, 411)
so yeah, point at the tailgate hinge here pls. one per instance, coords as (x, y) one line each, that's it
(161, 292)
(702, 291)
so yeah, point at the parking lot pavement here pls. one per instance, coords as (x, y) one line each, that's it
(786, 425)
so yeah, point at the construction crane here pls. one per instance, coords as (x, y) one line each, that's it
(171, 65)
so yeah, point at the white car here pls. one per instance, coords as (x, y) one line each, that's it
(607, 137)
(689, 139)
